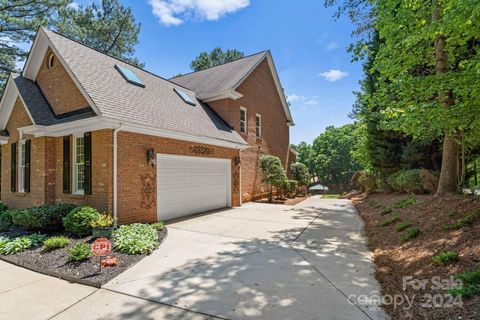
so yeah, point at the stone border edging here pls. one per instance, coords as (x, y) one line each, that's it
(23, 264)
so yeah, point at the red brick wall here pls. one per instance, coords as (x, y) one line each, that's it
(36, 196)
(102, 173)
(46, 172)
(58, 88)
(134, 173)
(260, 96)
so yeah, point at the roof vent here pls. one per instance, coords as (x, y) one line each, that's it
(129, 75)
(185, 97)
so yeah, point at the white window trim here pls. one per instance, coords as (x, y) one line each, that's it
(259, 133)
(21, 169)
(245, 122)
(74, 165)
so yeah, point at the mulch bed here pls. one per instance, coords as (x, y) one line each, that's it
(284, 201)
(56, 262)
(395, 259)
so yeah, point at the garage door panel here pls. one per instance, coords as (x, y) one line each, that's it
(189, 185)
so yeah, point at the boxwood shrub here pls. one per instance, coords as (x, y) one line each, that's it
(79, 220)
(409, 181)
(55, 243)
(135, 238)
(45, 218)
(5, 220)
(79, 252)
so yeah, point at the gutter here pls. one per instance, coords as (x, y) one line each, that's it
(115, 180)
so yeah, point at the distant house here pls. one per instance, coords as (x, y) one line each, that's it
(82, 127)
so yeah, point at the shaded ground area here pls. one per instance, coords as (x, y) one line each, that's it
(286, 201)
(261, 261)
(395, 259)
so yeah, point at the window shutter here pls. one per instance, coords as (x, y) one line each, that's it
(66, 165)
(13, 167)
(87, 144)
(26, 179)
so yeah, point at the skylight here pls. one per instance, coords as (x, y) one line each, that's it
(130, 76)
(185, 97)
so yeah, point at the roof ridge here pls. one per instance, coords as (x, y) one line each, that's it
(113, 57)
(222, 64)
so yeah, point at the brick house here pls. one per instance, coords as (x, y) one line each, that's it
(82, 127)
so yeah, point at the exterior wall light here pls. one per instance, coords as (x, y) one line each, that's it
(237, 161)
(151, 156)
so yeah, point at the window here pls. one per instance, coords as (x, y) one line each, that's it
(258, 125)
(130, 76)
(185, 97)
(78, 164)
(22, 166)
(50, 61)
(243, 120)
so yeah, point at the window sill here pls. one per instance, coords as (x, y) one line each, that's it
(20, 193)
(77, 195)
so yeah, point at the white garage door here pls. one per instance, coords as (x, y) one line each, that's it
(188, 185)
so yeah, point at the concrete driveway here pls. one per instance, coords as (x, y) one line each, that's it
(260, 261)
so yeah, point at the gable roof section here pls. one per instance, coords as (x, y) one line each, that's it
(38, 107)
(211, 81)
(155, 106)
(215, 82)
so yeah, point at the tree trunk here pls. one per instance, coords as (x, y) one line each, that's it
(449, 171)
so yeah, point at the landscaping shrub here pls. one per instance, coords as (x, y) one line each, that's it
(104, 221)
(5, 220)
(445, 257)
(300, 173)
(410, 181)
(79, 220)
(390, 221)
(159, 226)
(465, 221)
(25, 219)
(50, 216)
(45, 218)
(471, 284)
(405, 202)
(79, 252)
(55, 243)
(37, 239)
(367, 181)
(402, 226)
(273, 173)
(135, 238)
(11, 246)
(3, 207)
(411, 233)
(290, 187)
(392, 181)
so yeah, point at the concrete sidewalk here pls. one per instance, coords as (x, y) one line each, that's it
(259, 261)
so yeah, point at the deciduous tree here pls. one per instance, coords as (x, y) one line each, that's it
(216, 57)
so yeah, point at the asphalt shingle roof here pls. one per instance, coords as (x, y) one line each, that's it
(38, 106)
(156, 105)
(219, 78)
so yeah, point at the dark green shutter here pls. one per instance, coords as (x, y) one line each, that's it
(87, 144)
(26, 174)
(13, 167)
(66, 165)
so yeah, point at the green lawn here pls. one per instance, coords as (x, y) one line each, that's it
(331, 196)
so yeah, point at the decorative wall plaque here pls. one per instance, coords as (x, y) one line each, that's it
(148, 190)
(201, 150)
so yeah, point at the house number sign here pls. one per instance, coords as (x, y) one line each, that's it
(200, 150)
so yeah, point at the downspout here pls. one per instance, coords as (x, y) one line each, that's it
(115, 160)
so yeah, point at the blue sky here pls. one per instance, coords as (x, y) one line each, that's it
(307, 44)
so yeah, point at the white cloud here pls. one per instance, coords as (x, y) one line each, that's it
(295, 98)
(333, 75)
(74, 5)
(302, 100)
(175, 12)
(331, 46)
